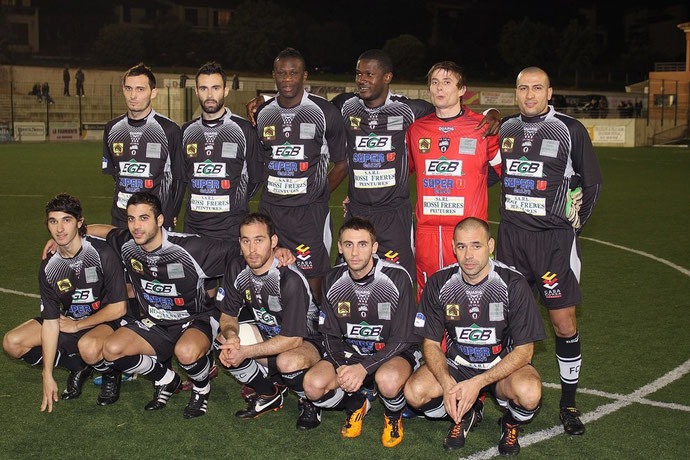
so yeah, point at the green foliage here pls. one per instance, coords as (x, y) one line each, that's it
(120, 45)
(408, 55)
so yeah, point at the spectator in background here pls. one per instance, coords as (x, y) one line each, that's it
(45, 91)
(638, 109)
(235, 82)
(66, 79)
(79, 77)
(36, 91)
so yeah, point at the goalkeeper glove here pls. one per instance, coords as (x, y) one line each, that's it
(572, 207)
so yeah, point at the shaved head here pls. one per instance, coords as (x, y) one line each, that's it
(473, 223)
(533, 71)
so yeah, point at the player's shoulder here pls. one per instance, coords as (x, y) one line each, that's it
(395, 272)
(163, 120)
(419, 106)
(244, 124)
(194, 121)
(442, 276)
(323, 103)
(236, 265)
(511, 119)
(335, 273)
(109, 125)
(472, 115)
(507, 273)
(573, 124)
(340, 100)
(292, 275)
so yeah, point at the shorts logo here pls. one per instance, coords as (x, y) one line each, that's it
(269, 132)
(550, 282)
(443, 144)
(424, 145)
(419, 320)
(64, 285)
(507, 145)
(453, 312)
(343, 310)
(137, 266)
(192, 150)
(392, 256)
(118, 149)
(355, 122)
(303, 252)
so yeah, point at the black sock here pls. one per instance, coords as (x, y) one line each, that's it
(334, 399)
(198, 371)
(71, 361)
(434, 408)
(354, 401)
(394, 405)
(569, 356)
(295, 381)
(34, 356)
(248, 373)
(141, 364)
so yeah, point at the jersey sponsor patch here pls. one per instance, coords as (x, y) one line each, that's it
(483, 366)
(322, 318)
(343, 310)
(91, 274)
(274, 303)
(122, 199)
(443, 167)
(424, 145)
(171, 315)
(395, 123)
(228, 150)
(374, 178)
(83, 296)
(307, 130)
(288, 151)
(264, 317)
(133, 168)
(549, 148)
(210, 169)
(192, 150)
(373, 143)
(419, 320)
(364, 331)
(475, 335)
(444, 205)
(496, 311)
(209, 203)
(527, 204)
(286, 185)
(524, 168)
(153, 150)
(468, 146)
(507, 145)
(155, 287)
(220, 295)
(384, 310)
(175, 271)
(269, 133)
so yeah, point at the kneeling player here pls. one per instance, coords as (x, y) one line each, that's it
(492, 321)
(82, 295)
(283, 339)
(366, 317)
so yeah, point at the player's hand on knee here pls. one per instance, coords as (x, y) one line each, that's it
(49, 248)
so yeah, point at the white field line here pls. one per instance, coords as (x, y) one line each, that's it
(597, 413)
(25, 294)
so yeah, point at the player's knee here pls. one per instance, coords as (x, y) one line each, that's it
(528, 391)
(390, 383)
(90, 349)
(188, 352)
(113, 349)
(291, 362)
(11, 343)
(564, 328)
(315, 385)
(415, 393)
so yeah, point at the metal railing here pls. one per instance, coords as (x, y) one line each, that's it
(669, 67)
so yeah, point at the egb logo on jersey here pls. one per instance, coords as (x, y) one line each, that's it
(443, 144)
(64, 285)
(343, 310)
(264, 317)
(525, 168)
(133, 168)
(355, 122)
(424, 145)
(364, 331)
(210, 169)
(155, 287)
(453, 312)
(137, 266)
(443, 167)
(507, 145)
(118, 149)
(269, 133)
(192, 150)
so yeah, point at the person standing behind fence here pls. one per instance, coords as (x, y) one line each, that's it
(66, 79)
(79, 78)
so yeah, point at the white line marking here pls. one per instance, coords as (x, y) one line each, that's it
(21, 196)
(25, 294)
(597, 413)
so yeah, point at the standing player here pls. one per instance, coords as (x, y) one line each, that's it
(301, 133)
(551, 182)
(452, 160)
(142, 150)
(283, 339)
(82, 295)
(167, 271)
(489, 314)
(376, 121)
(366, 317)
(222, 162)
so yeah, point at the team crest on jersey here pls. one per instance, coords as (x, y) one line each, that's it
(453, 312)
(287, 123)
(343, 310)
(248, 295)
(118, 149)
(64, 285)
(192, 150)
(210, 139)
(355, 122)
(134, 137)
(446, 129)
(373, 120)
(269, 133)
(507, 145)
(424, 145)
(443, 144)
(392, 256)
(137, 266)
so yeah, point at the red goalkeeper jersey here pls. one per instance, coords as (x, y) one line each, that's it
(452, 163)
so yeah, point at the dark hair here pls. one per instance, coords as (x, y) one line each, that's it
(146, 198)
(69, 205)
(472, 222)
(357, 223)
(140, 69)
(258, 218)
(211, 68)
(448, 66)
(290, 53)
(381, 57)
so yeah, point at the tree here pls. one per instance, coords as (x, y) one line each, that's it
(526, 43)
(577, 49)
(118, 45)
(408, 55)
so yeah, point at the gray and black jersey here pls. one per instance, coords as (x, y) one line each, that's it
(279, 300)
(168, 282)
(223, 170)
(144, 156)
(376, 149)
(368, 319)
(542, 158)
(299, 144)
(78, 287)
(484, 321)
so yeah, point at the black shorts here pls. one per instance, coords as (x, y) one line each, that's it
(163, 338)
(549, 260)
(307, 232)
(412, 355)
(68, 341)
(394, 233)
